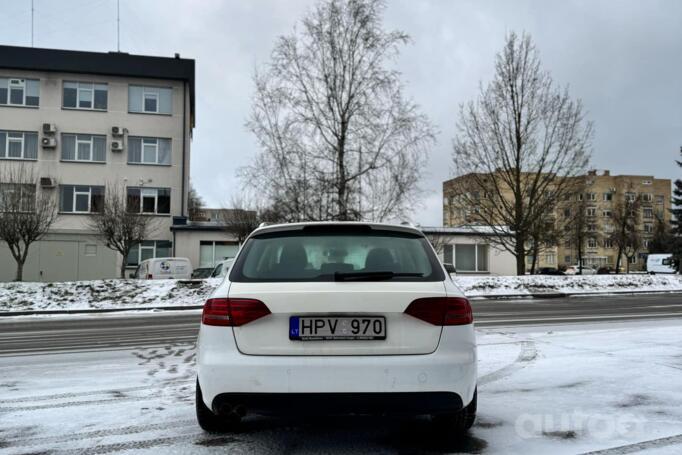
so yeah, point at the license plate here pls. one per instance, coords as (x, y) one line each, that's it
(310, 328)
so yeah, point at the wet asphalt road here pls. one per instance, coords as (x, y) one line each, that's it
(31, 335)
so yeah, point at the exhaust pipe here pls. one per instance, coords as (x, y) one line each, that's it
(232, 411)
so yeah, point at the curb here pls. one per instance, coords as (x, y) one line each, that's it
(98, 310)
(548, 295)
(556, 295)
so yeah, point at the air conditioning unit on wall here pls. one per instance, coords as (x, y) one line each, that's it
(48, 142)
(116, 146)
(48, 182)
(117, 131)
(49, 128)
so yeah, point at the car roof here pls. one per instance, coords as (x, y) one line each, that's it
(299, 226)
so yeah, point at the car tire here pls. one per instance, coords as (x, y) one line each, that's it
(208, 420)
(457, 422)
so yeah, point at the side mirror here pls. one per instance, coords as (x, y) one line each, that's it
(449, 268)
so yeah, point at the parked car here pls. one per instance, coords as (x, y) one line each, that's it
(221, 268)
(660, 263)
(164, 268)
(202, 272)
(336, 318)
(575, 270)
(549, 271)
(605, 270)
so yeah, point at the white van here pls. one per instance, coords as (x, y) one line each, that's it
(659, 263)
(164, 268)
(222, 268)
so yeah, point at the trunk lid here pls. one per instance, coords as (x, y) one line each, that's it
(405, 334)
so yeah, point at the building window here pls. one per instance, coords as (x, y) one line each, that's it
(81, 198)
(84, 147)
(592, 227)
(85, 95)
(17, 197)
(149, 200)
(580, 196)
(633, 260)
(591, 211)
(18, 145)
(606, 213)
(149, 150)
(648, 228)
(647, 197)
(647, 243)
(608, 196)
(210, 252)
(660, 199)
(608, 243)
(591, 196)
(630, 197)
(592, 243)
(149, 100)
(149, 249)
(471, 258)
(19, 92)
(646, 182)
(567, 213)
(648, 212)
(567, 259)
(549, 259)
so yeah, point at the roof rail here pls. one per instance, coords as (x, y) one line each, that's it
(263, 224)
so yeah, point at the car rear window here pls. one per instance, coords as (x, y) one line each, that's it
(342, 254)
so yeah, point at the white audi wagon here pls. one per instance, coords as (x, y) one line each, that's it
(336, 318)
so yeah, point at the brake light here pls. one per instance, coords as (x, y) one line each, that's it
(233, 312)
(442, 310)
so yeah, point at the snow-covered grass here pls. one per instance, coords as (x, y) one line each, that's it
(475, 286)
(103, 294)
(161, 293)
(558, 390)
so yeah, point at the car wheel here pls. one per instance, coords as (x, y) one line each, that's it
(457, 422)
(208, 420)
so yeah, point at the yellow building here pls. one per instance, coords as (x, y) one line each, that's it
(599, 195)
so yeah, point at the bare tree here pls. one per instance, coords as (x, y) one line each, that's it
(339, 140)
(119, 223)
(625, 235)
(26, 214)
(579, 225)
(518, 148)
(194, 203)
(238, 219)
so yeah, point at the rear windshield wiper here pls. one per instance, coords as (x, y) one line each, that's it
(372, 276)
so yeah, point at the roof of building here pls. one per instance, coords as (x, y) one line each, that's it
(101, 63)
(465, 230)
(199, 226)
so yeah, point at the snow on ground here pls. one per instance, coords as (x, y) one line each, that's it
(475, 286)
(104, 294)
(159, 293)
(561, 389)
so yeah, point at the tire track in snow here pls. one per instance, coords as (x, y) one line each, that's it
(528, 354)
(59, 396)
(194, 438)
(122, 431)
(639, 446)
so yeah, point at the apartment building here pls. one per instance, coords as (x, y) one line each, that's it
(600, 193)
(85, 123)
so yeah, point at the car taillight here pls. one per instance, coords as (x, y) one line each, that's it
(233, 312)
(442, 310)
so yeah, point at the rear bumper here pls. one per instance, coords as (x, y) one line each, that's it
(401, 403)
(450, 369)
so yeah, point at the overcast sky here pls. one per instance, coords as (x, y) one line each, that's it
(622, 58)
